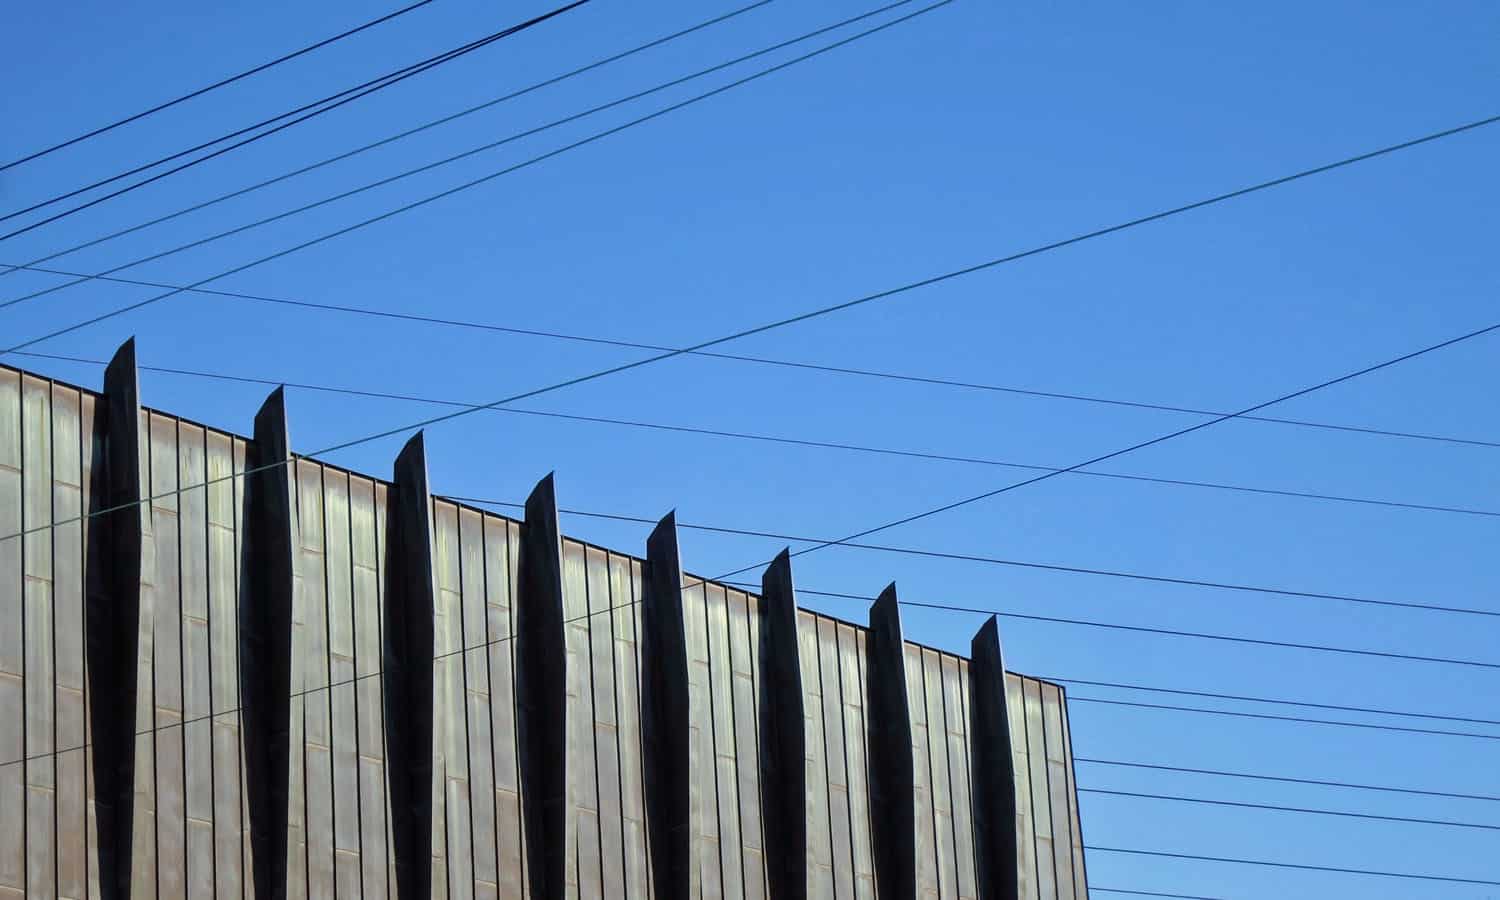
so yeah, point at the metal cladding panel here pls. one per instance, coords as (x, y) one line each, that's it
(665, 730)
(783, 751)
(781, 720)
(992, 767)
(542, 727)
(891, 778)
(264, 533)
(408, 674)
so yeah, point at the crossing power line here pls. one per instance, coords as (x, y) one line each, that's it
(1140, 445)
(817, 312)
(484, 179)
(438, 321)
(287, 120)
(462, 155)
(1283, 779)
(1300, 810)
(434, 123)
(777, 439)
(135, 117)
(1277, 864)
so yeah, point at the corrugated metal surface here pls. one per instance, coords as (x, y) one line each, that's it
(191, 826)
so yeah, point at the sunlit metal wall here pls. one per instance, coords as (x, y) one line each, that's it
(200, 781)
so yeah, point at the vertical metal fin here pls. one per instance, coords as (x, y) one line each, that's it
(541, 694)
(407, 672)
(113, 619)
(267, 584)
(783, 751)
(664, 712)
(993, 765)
(892, 780)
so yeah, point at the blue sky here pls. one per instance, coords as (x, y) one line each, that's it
(970, 132)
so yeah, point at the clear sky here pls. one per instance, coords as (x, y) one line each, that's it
(972, 131)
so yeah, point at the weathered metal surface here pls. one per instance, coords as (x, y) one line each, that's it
(892, 816)
(113, 621)
(407, 675)
(783, 749)
(993, 769)
(541, 695)
(664, 714)
(265, 643)
(371, 773)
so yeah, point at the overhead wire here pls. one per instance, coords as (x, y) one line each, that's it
(484, 179)
(1163, 854)
(292, 117)
(223, 82)
(440, 321)
(964, 557)
(1305, 782)
(775, 439)
(1270, 717)
(464, 154)
(801, 317)
(1300, 810)
(1139, 445)
(347, 154)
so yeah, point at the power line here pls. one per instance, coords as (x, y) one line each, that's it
(937, 510)
(407, 207)
(447, 160)
(962, 557)
(443, 120)
(802, 317)
(1313, 782)
(1246, 698)
(775, 439)
(1288, 865)
(1300, 810)
(1109, 890)
(733, 357)
(1304, 720)
(215, 86)
(302, 114)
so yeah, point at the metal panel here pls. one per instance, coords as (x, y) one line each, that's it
(541, 694)
(892, 815)
(582, 835)
(723, 759)
(365, 523)
(222, 574)
(664, 714)
(265, 644)
(704, 873)
(68, 607)
(782, 749)
(478, 700)
(746, 734)
(922, 803)
(994, 801)
(38, 719)
(408, 671)
(113, 622)
(12, 639)
(605, 724)
(835, 759)
(197, 670)
(853, 655)
(1041, 801)
(625, 584)
(955, 715)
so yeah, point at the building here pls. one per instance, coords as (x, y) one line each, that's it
(229, 672)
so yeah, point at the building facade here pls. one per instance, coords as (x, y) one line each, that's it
(226, 671)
